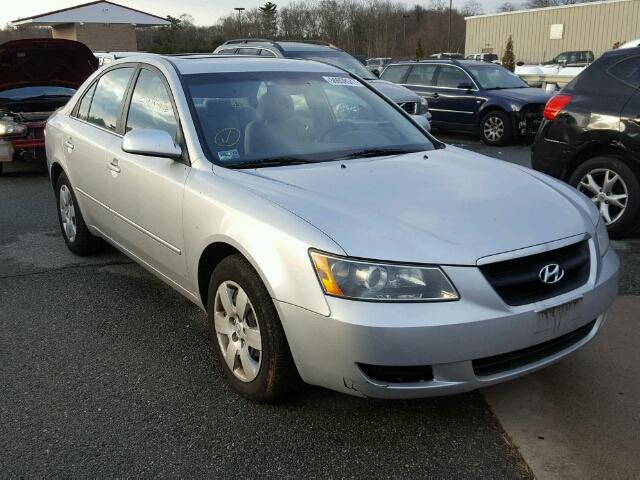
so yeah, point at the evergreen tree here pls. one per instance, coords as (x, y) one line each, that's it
(508, 58)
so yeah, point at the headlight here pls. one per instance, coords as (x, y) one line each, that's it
(12, 129)
(364, 280)
(602, 236)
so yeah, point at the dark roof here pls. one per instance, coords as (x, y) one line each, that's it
(86, 5)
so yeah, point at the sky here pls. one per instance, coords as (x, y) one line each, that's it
(205, 12)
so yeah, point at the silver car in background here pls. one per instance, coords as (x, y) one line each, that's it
(328, 237)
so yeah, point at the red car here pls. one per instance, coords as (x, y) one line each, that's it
(37, 76)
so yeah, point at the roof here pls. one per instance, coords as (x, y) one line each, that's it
(194, 64)
(531, 10)
(444, 61)
(101, 11)
(282, 45)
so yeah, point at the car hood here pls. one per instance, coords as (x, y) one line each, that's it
(395, 92)
(525, 95)
(45, 61)
(449, 206)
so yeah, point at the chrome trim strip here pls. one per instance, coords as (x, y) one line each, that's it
(532, 250)
(162, 242)
(450, 111)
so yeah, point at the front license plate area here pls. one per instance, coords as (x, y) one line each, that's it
(559, 318)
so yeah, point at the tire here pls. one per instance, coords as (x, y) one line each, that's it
(275, 376)
(620, 221)
(78, 238)
(496, 128)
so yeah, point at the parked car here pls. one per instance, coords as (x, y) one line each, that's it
(37, 77)
(590, 137)
(556, 72)
(447, 56)
(105, 58)
(376, 65)
(473, 96)
(347, 248)
(631, 44)
(484, 57)
(325, 52)
(575, 58)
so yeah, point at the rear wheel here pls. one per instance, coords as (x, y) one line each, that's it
(614, 188)
(496, 128)
(247, 335)
(75, 232)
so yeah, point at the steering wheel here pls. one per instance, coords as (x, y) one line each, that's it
(339, 128)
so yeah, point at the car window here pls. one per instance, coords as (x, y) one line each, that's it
(151, 105)
(394, 73)
(628, 71)
(248, 51)
(107, 98)
(422, 75)
(452, 77)
(85, 103)
(266, 53)
(256, 116)
(227, 51)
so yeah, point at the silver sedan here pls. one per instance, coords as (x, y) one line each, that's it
(329, 237)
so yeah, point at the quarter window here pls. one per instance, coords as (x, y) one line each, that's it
(85, 103)
(248, 51)
(107, 98)
(422, 75)
(151, 106)
(266, 53)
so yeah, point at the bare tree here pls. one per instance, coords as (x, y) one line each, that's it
(470, 8)
(507, 7)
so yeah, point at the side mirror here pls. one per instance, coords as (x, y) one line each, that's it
(376, 72)
(519, 64)
(465, 86)
(422, 121)
(152, 143)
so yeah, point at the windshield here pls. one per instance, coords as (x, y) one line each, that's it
(24, 93)
(495, 77)
(337, 58)
(295, 117)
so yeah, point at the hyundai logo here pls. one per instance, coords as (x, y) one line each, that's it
(551, 273)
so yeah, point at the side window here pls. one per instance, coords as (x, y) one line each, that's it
(452, 77)
(627, 71)
(227, 51)
(266, 53)
(85, 103)
(151, 105)
(107, 98)
(394, 73)
(422, 75)
(248, 51)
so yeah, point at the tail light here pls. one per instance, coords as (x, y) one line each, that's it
(555, 105)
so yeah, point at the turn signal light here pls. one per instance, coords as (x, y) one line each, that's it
(555, 105)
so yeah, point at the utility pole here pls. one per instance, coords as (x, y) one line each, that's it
(449, 35)
(404, 30)
(239, 10)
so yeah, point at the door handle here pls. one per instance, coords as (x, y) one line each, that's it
(113, 166)
(435, 95)
(69, 145)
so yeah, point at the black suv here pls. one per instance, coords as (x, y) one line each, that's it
(590, 137)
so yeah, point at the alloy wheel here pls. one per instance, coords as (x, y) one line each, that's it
(237, 331)
(608, 191)
(493, 129)
(67, 213)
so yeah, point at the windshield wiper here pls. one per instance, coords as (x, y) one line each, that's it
(269, 162)
(376, 152)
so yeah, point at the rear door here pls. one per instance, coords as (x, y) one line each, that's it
(147, 190)
(628, 71)
(90, 132)
(457, 97)
(421, 79)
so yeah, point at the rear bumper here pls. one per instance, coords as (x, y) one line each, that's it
(447, 337)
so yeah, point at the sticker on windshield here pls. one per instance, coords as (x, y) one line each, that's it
(227, 155)
(350, 82)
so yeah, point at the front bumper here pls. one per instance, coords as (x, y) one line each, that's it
(445, 336)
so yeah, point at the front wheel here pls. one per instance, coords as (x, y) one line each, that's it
(613, 186)
(496, 128)
(247, 335)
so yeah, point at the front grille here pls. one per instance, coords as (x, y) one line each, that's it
(517, 281)
(410, 107)
(484, 367)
